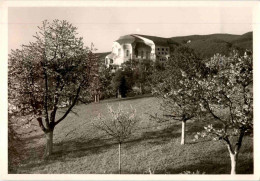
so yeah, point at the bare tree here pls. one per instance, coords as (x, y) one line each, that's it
(119, 126)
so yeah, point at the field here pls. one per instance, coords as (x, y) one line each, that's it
(79, 148)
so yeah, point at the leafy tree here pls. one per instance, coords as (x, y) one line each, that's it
(116, 80)
(106, 76)
(95, 82)
(119, 126)
(123, 86)
(142, 74)
(138, 73)
(228, 97)
(123, 81)
(175, 86)
(46, 73)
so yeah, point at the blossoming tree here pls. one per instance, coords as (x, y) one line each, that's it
(47, 73)
(227, 96)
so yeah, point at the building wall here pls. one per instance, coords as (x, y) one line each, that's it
(162, 50)
(162, 53)
(118, 52)
(127, 51)
(149, 52)
(145, 49)
(142, 51)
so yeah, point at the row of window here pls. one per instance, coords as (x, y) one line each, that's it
(119, 52)
(162, 53)
(147, 53)
(142, 53)
(162, 59)
(111, 60)
(106, 61)
(162, 49)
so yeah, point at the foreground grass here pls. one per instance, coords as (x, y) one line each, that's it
(79, 148)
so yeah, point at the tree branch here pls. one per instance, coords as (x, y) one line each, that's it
(212, 113)
(230, 149)
(39, 119)
(69, 109)
(239, 141)
(56, 100)
(46, 96)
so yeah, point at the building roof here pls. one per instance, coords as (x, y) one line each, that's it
(157, 40)
(129, 39)
(147, 39)
(126, 39)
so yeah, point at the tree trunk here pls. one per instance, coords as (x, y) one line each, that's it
(183, 135)
(234, 152)
(233, 158)
(95, 98)
(119, 158)
(49, 143)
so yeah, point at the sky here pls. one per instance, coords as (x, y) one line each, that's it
(103, 25)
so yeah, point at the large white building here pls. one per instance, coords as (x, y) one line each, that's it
(138, 47)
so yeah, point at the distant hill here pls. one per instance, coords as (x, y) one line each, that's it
(208, 45)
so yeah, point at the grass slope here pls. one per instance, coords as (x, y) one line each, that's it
(80, 149)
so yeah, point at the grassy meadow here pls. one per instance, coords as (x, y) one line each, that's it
(79, 148)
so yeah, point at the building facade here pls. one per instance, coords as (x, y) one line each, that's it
(138, 47)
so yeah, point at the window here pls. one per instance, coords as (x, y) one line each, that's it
(147, 55)
(162, 49)
(127, 53)
(162, 53)
(159, 52)
(166, 49)
(111, 60)
(158, 49)
(142, 55)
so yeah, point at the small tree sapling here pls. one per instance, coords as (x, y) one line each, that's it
(120, 125)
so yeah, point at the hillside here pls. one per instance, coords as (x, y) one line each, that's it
(79, 148)
(208, 45)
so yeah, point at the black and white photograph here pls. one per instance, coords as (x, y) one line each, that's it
(136, 88)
